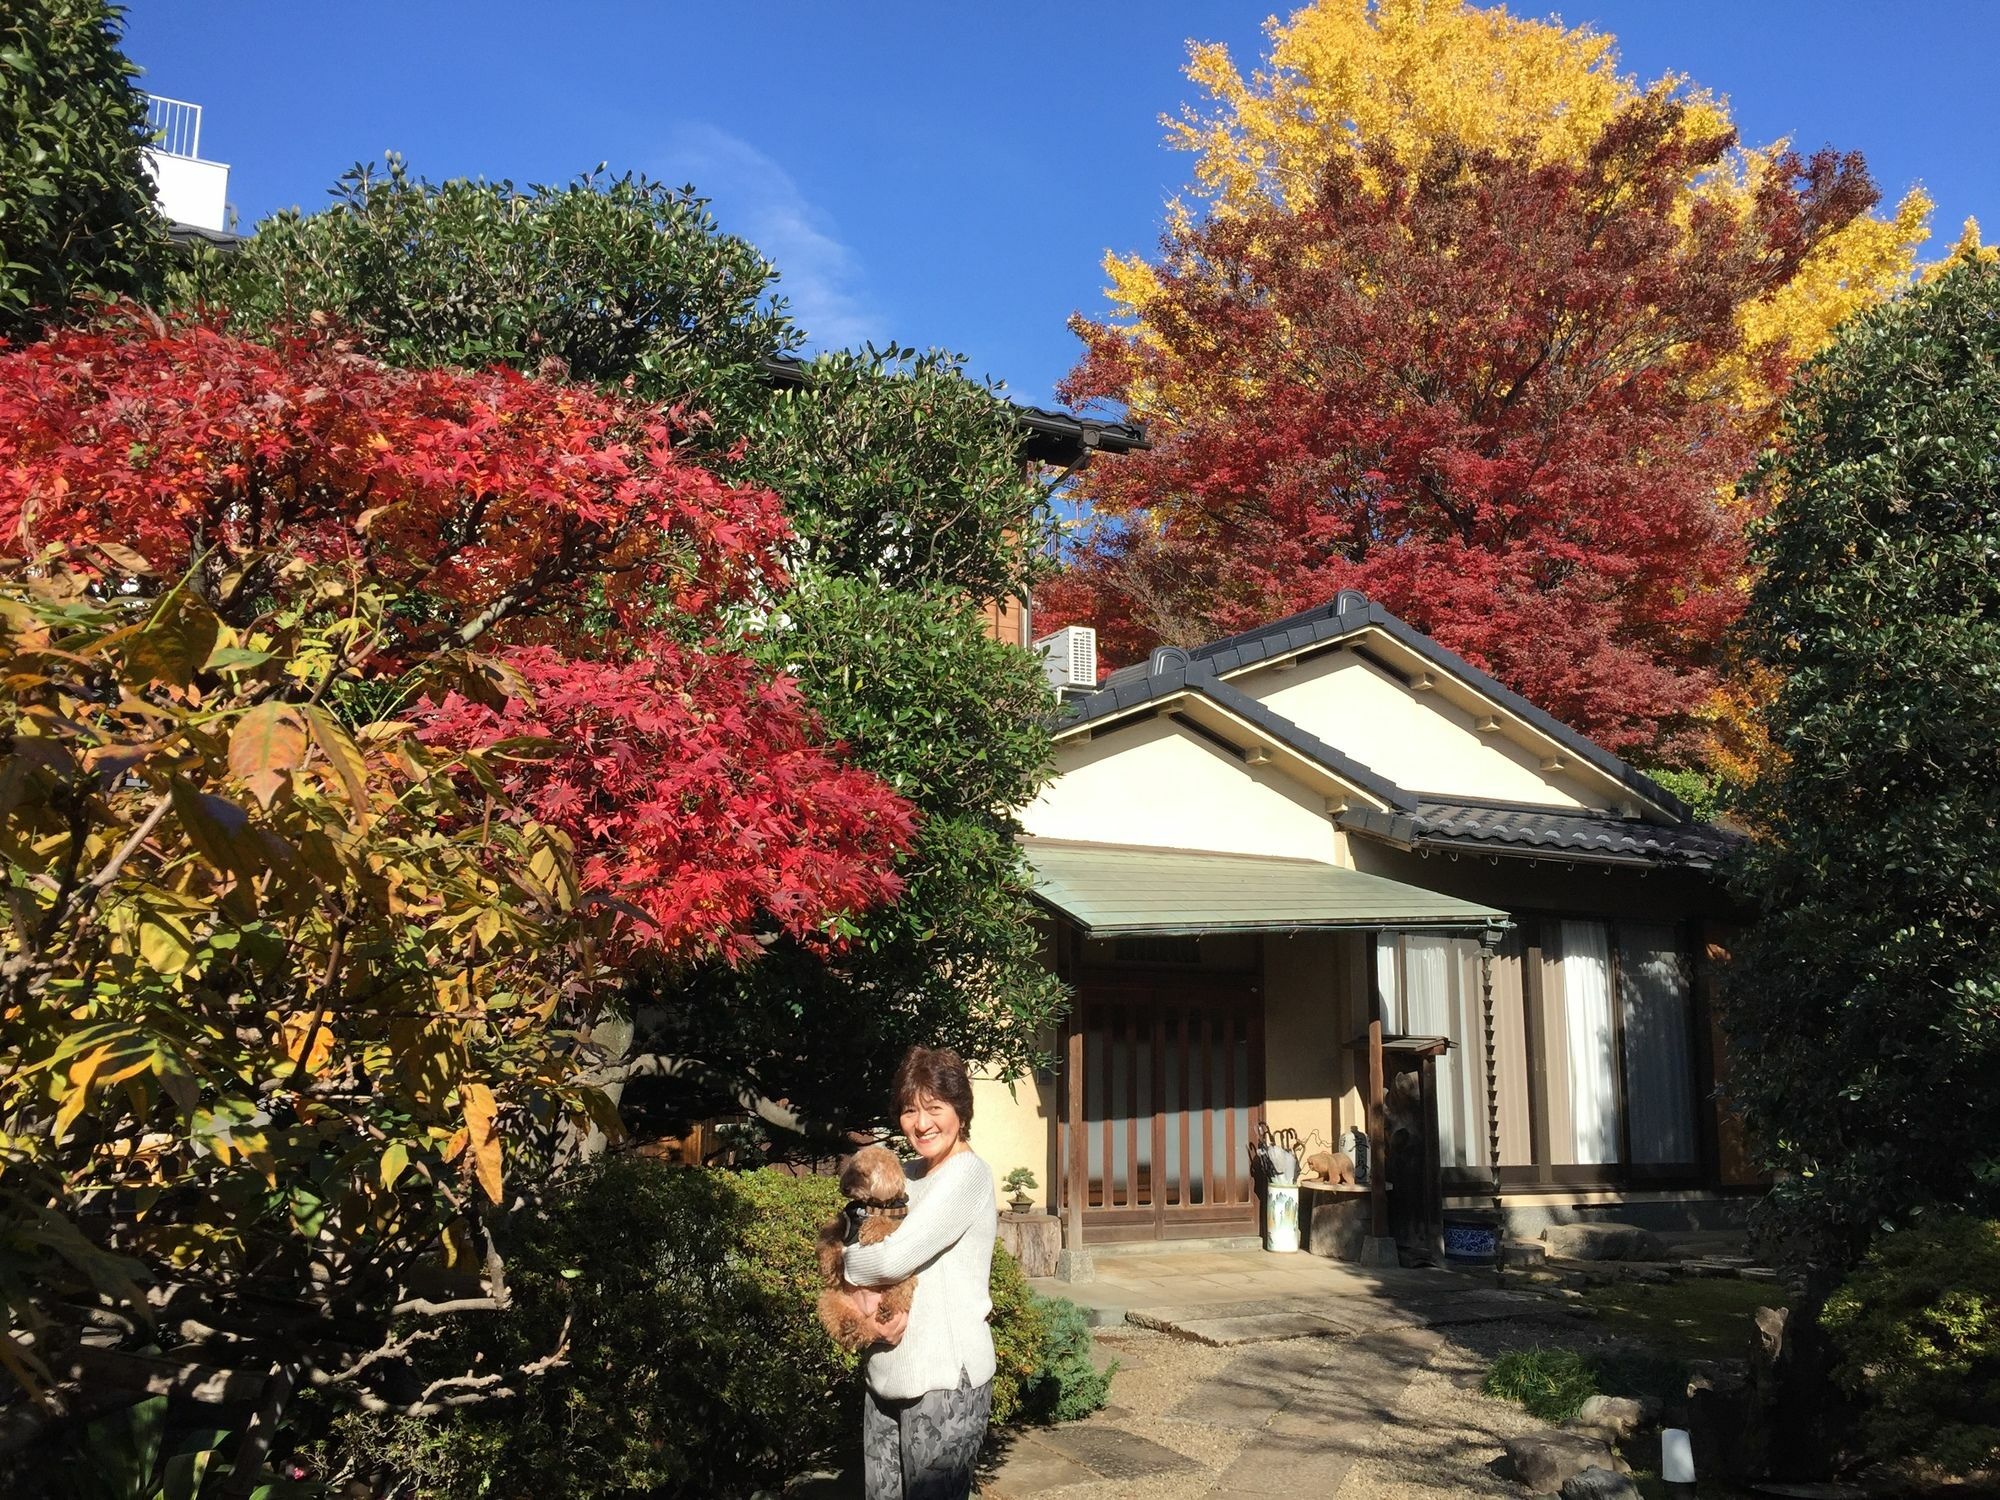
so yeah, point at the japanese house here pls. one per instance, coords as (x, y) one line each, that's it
(1259, 854)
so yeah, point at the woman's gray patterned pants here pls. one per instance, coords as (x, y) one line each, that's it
(924, 1449)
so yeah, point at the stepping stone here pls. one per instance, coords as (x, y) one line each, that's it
(1112, 1453)
(1602, 1242)
(1030, 1468)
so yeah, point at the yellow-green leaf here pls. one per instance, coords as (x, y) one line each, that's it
(395, 1161)
(268, 744)
(482, 1127)
(343, 755)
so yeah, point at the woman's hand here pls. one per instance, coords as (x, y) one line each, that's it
(890, 1330)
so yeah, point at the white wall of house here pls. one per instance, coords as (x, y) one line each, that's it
(1012, 1127)
(190, 190)
(1419, 740)
(1161, 785)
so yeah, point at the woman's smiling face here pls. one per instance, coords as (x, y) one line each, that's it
(931, 1125)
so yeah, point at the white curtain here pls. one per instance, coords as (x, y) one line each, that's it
(1593, 1059)
(1659, 1081)
(1385, 982)
(1433, 1005)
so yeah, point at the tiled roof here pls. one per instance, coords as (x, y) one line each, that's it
(1590, 835)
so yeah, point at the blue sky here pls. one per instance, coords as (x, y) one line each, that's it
(948, 174)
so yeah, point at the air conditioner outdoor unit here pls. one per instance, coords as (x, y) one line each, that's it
(1070, 658)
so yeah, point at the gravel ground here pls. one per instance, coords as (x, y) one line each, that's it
(1448, 1433)
(1443, 1442)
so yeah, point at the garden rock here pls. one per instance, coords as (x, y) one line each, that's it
(1543, 1460)
(1602, 1242)
(1613, 1418)
(1599, 1484)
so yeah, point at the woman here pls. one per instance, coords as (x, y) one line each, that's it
(930, 1383)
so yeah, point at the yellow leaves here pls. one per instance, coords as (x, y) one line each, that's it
(344, 756)
(267, 745)
(395, 1161)
(307, 1040)
(482, 1129)
(1405, 74)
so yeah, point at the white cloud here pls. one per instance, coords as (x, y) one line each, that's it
(758, 199)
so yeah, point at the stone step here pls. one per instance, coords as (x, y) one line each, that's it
(1526, 1254)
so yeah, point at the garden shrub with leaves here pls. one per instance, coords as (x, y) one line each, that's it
(361, 730)
(1863, 1004)
(77, 219)
(1917, 1327)
(910, 510)
(696, 1365)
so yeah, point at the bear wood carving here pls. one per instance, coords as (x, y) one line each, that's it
(877, 1200)
(1336, 1167)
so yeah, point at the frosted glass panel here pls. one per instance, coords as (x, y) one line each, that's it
(1659, 1081)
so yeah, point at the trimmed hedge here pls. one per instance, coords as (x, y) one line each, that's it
(696, 1364)
(1917, 1326)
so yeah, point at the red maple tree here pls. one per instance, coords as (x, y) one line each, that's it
(1477, 389)
(558, 570)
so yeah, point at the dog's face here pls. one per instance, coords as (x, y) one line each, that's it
(873, 1175)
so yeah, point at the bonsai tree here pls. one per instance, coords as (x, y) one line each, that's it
(1018, 1182)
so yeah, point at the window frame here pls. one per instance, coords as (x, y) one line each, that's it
(1536, 995)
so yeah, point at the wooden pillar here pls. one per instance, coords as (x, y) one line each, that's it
(1378, 1135)
(1076, 1184)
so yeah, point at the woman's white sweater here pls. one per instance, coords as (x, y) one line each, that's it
(946, 1242)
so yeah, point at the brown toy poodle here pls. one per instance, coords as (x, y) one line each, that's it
(877, 1200)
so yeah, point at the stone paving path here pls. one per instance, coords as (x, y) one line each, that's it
(1278, 1375)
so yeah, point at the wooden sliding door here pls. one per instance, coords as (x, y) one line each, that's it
(1170, 1095)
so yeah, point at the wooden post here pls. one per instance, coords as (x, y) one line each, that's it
(1076, 1182)
(1378, 1135)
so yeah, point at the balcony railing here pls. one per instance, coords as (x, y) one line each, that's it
(175, 124)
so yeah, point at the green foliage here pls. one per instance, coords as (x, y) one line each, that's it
(1066, 1386)
(1020, 1335)
(1700, 790)
(1863, 1007)
(904, 482)
(1551, 1383)
(1917, 1326)
(695, 1363)
(76, 207)
(1020, 1180)
(897, 469)
(612, 277)
(128, 1455)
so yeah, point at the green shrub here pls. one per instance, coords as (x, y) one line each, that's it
(1020, 1335)
(696, 1363)
(77, 219)
(1917, 1327)
(1066, 1386)
(1550, 1383)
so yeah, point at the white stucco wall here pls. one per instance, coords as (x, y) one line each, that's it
(1014, 1128)
(1161, 785)
(1416, 739)
(190, 191)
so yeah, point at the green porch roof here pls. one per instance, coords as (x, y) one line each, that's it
(1113, 890)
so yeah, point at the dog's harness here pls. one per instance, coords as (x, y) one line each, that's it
(856, 1211)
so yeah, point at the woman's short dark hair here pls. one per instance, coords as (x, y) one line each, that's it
(939, 1072)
